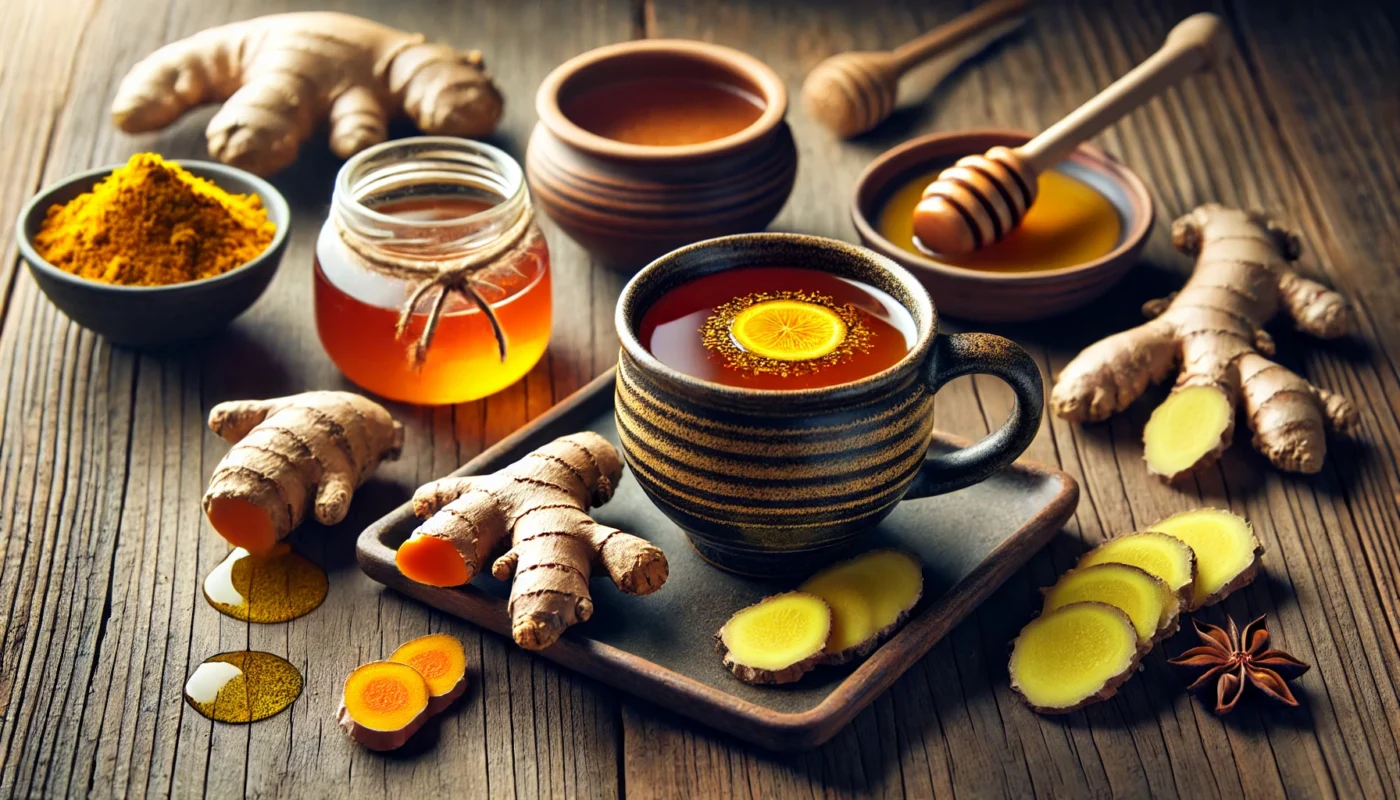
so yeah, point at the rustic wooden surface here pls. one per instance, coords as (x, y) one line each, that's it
(103, 451)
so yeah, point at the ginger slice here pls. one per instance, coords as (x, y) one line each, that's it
(384, 704)
(1226, 549)
(1156, 553)
(1150, 604)
(1188, 431)
(1074, 656)
(776, 640)
(442, 662)
(870, 597)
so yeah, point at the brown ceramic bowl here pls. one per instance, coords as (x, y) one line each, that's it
(1006, 296)
(628, 204)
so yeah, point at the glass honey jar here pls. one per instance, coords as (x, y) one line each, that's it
(432, 280)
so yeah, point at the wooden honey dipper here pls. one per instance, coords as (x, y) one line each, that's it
(851, 93)
(980, 199)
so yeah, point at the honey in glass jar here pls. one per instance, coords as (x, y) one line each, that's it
(398, 210)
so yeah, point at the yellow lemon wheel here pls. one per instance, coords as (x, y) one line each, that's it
(788, 330)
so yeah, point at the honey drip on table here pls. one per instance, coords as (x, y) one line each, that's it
(244, 686)
(1069, 224)
(278, 586)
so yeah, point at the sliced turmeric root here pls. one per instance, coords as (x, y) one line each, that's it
(1226, 550)
(776, 640)
(870, 597)
(1150, 604)
(384, 704)
(1074, 656)
(442, 662)
(1156, 553)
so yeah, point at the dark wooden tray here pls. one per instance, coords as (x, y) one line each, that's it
(661, 649)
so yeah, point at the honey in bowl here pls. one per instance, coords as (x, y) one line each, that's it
(1070, 223)
(664, 112)
(777, 328)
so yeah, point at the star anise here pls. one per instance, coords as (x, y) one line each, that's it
(1233, 659)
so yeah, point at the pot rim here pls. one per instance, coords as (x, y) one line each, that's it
(1087, 155)
(675, 260)
(727, 59)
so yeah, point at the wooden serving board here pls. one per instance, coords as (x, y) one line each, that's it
(661, 647)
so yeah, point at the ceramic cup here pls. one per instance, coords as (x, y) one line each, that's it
(778, 482)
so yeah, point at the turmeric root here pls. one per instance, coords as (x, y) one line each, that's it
(1226, 550)
(541, 504)
(1074, 656)
(291, 453)
(776, 640)
(870, 597)
(285, 74)
(442, 662)
(383, 704)
(1213, 328)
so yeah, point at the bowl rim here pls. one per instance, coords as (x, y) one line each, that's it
(271, 198)
(632, 346)
(1087, 154)
(772, 88)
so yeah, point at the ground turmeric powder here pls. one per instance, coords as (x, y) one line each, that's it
(152, 223)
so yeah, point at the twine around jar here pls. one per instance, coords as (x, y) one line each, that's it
(444, 275)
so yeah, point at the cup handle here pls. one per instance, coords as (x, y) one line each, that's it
(959, 354)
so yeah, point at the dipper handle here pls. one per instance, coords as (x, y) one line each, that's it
(981, 198)
(917, 51)
(1196, 42)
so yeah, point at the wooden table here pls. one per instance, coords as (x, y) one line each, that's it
(104, 453)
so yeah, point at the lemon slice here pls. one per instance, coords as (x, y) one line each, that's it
(788, 330)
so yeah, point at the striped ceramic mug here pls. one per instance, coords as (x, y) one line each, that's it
(776, 482)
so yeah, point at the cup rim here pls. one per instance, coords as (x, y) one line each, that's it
(272, 199)
(634, 349)
(727, 58)
(1087, 154)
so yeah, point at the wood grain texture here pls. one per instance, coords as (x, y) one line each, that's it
(103, 451)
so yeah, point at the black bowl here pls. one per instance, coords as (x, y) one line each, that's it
(156, 316)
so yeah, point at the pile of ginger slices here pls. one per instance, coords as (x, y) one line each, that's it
(1123, 597)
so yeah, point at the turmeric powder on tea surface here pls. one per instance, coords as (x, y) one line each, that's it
(152, 223)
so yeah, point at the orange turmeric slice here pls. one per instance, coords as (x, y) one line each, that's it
(442, 662)
(384, 704)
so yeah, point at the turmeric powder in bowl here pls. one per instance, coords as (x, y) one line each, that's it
(153, 223)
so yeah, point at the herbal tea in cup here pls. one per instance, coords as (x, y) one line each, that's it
(775, 396)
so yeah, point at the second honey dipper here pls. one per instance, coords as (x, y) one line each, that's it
(981, 198)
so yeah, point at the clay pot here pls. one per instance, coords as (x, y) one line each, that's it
(769, 482)
(986, 296)
(628, 204)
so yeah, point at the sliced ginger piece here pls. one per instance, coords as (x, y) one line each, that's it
(776, 640)
(1074, 656)
(384, 704)
(442, 662)
(1150, 604)
(1188, 431)
(870, 597)
(1155, 553)
(1226, 549)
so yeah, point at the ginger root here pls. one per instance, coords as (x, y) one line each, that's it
(283, 75)
(870, 597)
(290, 454)
(1164, 557)
(1226, 550)
(1074, 656)
(540, 503)
(1214, 329)
(776, 640)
